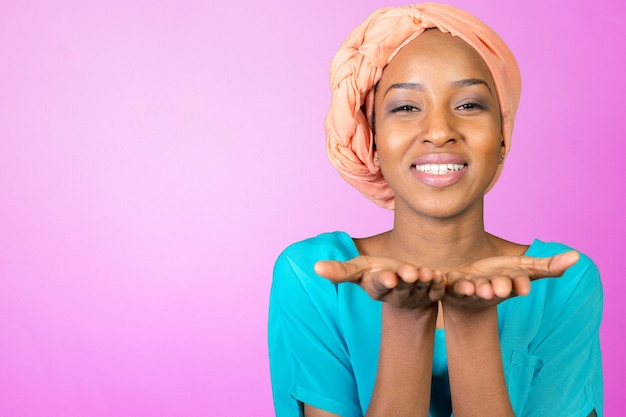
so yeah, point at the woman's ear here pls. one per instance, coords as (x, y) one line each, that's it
(502, 153)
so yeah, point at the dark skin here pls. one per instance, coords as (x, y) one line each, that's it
(438, 267)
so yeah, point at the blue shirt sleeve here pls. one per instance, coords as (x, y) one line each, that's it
(309, 360)
(567, 369)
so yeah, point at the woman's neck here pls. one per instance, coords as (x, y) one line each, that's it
(441, 243)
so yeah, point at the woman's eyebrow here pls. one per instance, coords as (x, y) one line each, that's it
(466, 82)
(405, 86)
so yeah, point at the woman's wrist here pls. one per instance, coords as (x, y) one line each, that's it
(469, 318)
(474, 361)
(422, 316)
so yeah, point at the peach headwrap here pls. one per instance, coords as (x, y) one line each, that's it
(359, 63)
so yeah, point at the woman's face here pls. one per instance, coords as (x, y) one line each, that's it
(438, 130)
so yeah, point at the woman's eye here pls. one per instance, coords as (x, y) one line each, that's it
(405, 108)
(471, 106)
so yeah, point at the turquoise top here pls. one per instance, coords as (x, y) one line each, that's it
(324, 339)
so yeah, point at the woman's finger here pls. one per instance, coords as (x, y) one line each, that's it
(553, 266)
(463, 286)
(348, 271)
(379, 284)
(334, 271)
(408, 273)
(484, 289)
(502, 286)
(560, 263)
(438, 286)
(354, 269)
(521, 285)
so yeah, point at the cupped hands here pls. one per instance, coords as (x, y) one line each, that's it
(386, 279)
(484, 283)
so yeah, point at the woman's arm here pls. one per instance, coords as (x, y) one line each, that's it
(402, 385)
(403, 378)
(477, 384)
(409, 314)
(310, 411)
(404, 373)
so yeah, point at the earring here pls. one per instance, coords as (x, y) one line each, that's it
(501, 159)
(376, 159)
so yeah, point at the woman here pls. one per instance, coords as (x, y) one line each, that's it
(442, 319)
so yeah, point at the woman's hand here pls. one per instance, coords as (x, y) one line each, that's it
(490, 281)
(399, 284)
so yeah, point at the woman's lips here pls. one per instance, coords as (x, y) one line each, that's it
(439, 170)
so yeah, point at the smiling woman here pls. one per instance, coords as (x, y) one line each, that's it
(442, 319)
(438, 129)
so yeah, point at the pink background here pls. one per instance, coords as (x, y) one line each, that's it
(156, 156)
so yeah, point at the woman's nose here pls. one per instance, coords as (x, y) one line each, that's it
(439, 128)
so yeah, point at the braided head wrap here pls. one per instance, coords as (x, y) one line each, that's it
(359, 64)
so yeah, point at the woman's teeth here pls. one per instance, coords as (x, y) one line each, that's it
(439, 169)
